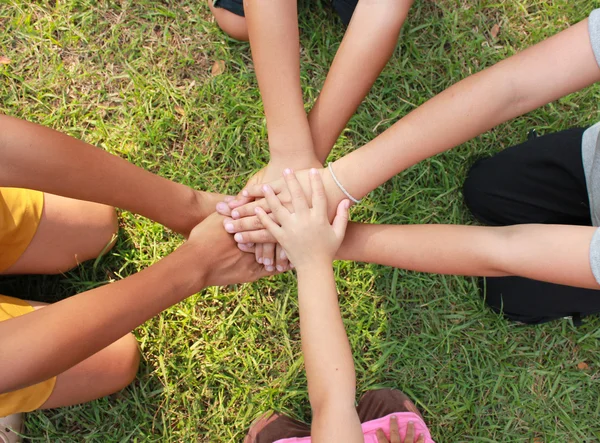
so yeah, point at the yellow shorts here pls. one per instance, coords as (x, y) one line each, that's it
(32, 397)
(20, 214)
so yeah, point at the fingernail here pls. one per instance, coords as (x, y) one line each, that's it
(229, 227)
(287, 171)
(259, 259)
(282, 255)
(267, 261)
(265, 188)
(222, 207)
(279, 268)
(292, 265)
(269, 268)
(235, 214)
(245, 193)
(313, 171)
(347, 204)
(238, 238)
(249, 245)
(257, 210)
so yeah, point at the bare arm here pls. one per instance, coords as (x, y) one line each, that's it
(545, 72)
(310, 242)
(274, 39)
(551, 69)
(552, 253)
(368, 43)
(327, 357)
(65, 333)
(36, 157)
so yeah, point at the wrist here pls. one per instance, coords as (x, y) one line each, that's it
(299, 158)
(193, 265)
(314, 266)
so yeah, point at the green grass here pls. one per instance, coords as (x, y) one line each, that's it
(134, 77)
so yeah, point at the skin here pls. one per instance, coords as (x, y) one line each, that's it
(85, 340)
(295, 139)
(551, 69)
(66, 333)
(310, 242)
(395, 433)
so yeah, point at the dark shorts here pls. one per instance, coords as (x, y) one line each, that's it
(344, 8)
(539, 181)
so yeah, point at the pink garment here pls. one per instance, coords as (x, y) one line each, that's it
(370, 428)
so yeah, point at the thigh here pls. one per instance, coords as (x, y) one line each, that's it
(104, 373)
(69, 232)
(539, 181)
(531, 301)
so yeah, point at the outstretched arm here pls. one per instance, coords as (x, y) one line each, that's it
(310, 242)
(66, 333)
(545, 72)
(551, 69)
(368, 43)
(552, 253)
(274, 40)
(36, 157)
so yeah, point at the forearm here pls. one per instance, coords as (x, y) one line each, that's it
(274, 40)
(551, 69)
(553, 253)
(65, 333)
(36, 157)
(368, 43)
(327, 354)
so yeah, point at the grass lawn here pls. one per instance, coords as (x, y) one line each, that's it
(134, 77)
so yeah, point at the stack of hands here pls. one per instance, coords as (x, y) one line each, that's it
(247, 214)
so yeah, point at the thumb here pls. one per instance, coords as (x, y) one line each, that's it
(341, 218)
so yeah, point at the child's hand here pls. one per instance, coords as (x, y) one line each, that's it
(395, 433)
(306, 234)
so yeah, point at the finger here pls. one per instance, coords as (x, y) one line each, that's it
(340, 222)
(280, 213)
(244, 224)
(248, 209)
(246, 247)
(238, 201)
(296, 192)
(410, 432)
(269, 256)
(223, 209)
(281, 261)
(273, 228)
(256, 190)
(258, 253)
(258, 237)
(319, 199)
(381, 438)
(421, 439)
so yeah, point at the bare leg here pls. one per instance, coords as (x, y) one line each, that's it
(70, 232)
(230, 23)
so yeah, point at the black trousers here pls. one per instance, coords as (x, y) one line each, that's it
(539, 181)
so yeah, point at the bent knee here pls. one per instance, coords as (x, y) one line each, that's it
(230, 23)
(125, 361)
